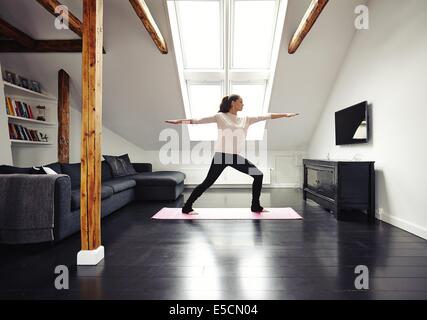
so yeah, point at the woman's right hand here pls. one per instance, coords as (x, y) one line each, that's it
(174, 121)
(290, 115)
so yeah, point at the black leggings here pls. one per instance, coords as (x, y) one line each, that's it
(221, 161)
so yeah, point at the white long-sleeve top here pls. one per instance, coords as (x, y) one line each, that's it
(232, 130)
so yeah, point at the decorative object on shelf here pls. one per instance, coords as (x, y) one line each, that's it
(44, 137)
(41, 113)
(35, 86)
(10, 77)
(23, 82)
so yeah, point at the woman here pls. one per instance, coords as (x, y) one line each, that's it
(232, 131)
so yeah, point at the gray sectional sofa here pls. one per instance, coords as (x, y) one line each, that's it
(146, 185)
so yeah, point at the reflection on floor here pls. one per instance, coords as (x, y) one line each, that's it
(313, 258)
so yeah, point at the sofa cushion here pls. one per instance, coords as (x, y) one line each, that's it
(105, 171)
(106, 192)
(159, 178)
(73, 170)
(75, 199)
(120, 184)
(120, 166)
(4, 169)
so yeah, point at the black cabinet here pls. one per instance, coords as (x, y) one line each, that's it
(340, 186)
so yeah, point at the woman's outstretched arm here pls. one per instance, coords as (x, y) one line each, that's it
(283, 115)
(269, 116)
(211, 119)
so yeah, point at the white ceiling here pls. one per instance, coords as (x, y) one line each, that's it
(141, 87)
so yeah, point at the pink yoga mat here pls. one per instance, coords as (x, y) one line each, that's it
(227, 214)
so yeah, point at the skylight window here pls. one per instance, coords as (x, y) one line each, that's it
(200, 33)
(253, 31)
(224, 47)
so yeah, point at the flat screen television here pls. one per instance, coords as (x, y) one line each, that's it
(351, 125)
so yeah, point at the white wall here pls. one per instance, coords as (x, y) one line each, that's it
(387, 65)
(5, 148)
(112, 144)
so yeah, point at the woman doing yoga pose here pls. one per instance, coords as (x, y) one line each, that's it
(232, 131)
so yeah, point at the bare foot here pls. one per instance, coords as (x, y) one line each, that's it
(191, 213)
(263, 210)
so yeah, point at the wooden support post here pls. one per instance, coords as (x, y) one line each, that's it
(307, 22)
(90, 197)
(63, 117)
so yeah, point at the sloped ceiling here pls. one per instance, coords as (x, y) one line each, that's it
(141, 87)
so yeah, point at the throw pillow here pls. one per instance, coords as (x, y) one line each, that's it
(120, 166)
(42, 170)
(35, 170)
(49, 170)
(129, 167)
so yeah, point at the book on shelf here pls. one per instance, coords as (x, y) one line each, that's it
(9, 107)
(22, 131)
(18, 109)
(19, 132)
(30, 111)
(22, 109)
(12, 133)
(28, 133)
(26, 137)
(34, 135)
(21, 135)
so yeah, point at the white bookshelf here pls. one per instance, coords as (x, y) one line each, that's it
(27, 120)
(21, 142)
(25, 152)
(13, 89)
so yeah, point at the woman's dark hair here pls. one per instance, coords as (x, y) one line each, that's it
(225, 105)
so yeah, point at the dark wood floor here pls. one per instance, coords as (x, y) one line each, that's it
(313, 258)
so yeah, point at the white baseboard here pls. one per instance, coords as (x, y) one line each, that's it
(90, 257)
(284, 186)
(249, 186)
(405, 225)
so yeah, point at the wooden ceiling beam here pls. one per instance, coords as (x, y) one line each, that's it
(142, 11)
(12, 33)
(307, 22)
(73, 22)
(43, 46)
